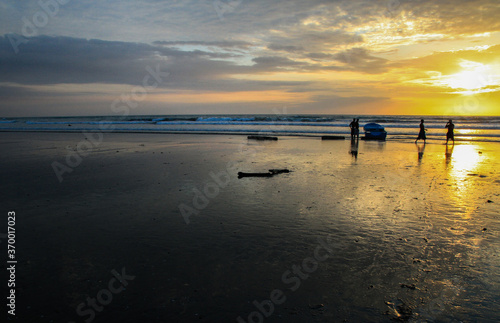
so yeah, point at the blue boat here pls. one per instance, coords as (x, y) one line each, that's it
(374, 131)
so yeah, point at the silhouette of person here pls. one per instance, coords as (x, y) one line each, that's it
(357, 128)
(352, 125)
(421, 134)
(450, 134)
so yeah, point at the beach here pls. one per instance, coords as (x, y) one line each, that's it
(159, 228)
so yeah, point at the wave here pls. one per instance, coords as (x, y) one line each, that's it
(477, 128)
(229, 121)
(239, 130)
(87, 122)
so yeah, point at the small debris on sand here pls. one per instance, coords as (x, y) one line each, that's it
(412, 286)
(399, 310)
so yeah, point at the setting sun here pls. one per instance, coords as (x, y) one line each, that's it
(474, 78)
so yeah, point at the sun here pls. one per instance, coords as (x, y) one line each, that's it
(469, 80)
(474, 78)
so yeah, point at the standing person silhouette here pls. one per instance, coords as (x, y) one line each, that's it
(352, 125)
(357, 128)
(450, 134)
(421, 134)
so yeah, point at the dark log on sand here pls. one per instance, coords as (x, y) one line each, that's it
(262, 138)
(243, 174)
(278, 171)
(271, 173)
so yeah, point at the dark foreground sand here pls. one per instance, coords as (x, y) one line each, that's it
(387, 235)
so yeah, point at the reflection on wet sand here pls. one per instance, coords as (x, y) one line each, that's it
(463, 163)
(354, 148)
(448, 154)
(463, 159)
(430, 213)
(420, 149)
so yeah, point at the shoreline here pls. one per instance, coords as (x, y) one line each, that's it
(243, 133)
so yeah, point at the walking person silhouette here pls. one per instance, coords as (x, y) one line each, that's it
(421, 134)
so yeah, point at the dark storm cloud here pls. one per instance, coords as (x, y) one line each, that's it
(55, 60)
(52, 60)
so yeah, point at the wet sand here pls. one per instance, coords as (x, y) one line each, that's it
(400, 231)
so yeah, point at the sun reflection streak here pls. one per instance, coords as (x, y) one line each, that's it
(464, 160)
(463, 163)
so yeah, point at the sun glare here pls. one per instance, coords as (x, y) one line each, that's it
(465, 159)
(474, 78)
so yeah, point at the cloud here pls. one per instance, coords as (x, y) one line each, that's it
(273, 63)
(286, 48)
(360, 59)
(12, 92)
(457, 17)
(449, 62)
(226, 44)
(53, 60)
(58, 60)
(48, 60)
(311, 40)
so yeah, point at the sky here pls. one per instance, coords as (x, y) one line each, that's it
(407, 57)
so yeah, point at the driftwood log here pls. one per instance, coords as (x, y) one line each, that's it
(262, 138)
(270, 173)
(278, 171)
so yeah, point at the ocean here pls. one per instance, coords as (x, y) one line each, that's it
(402, 128)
